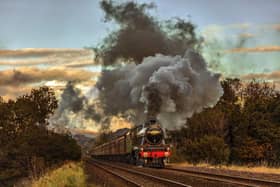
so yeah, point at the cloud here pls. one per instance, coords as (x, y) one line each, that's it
(22, 69)
(277, 85)
(10, 92)
(276, 27)
(275, 75)
(28, 75)
(31, 57)
(119, 123)
(86, 132)
(254, 49)
(246, 35)
(266, 26)
(239, 25)
(34, 52)
(80, 63)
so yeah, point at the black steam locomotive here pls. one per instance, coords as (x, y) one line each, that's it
(142, 145)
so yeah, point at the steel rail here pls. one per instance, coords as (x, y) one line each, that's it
(245, 181)
(125, 179)
(148, 176)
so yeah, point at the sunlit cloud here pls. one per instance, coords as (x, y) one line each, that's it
(11, 92)
(118, 123)
(27, 75)
(254, 49)
(247, 35)
(61, 57)
(35, 52)
(275, 75)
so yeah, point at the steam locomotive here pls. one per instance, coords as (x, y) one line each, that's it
(142, 145)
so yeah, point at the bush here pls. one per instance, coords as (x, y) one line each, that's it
(243, 128)
(209, 149)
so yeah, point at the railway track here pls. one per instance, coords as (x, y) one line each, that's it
(245, 181)
(126, 172)
(176, 176)
(122, 178)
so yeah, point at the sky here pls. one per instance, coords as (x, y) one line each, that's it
(76, 24)
(42, 42)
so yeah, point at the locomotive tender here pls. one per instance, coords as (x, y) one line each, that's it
(142, 145)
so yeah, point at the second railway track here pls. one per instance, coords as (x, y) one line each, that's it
(238, 180)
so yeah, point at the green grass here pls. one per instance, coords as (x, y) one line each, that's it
(69, 175)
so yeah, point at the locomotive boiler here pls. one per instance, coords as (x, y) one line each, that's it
(144, 145)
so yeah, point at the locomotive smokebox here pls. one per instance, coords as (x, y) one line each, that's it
(154, 133)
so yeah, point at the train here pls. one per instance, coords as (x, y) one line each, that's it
(143, 144)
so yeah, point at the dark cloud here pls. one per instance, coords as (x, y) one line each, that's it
(169, 88)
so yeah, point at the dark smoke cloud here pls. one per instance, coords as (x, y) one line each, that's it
(141, 35)
(71, 98)
(148, 73)
(152, 85)
(170, 88)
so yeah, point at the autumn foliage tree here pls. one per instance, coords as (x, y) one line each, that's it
(257, 135)
(243, 128)
(26, 144)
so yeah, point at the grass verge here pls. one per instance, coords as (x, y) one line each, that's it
(70, 175)
(254, 169)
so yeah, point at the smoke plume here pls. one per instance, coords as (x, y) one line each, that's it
(147, 71)
(141, 35)
(170, 88)
(73, 105)
(159, 79)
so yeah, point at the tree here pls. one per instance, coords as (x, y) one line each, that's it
(25, 142)
(209, 149)
(257, 136)
(230, 105)
(245, 123)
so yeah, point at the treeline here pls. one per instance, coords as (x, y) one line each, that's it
(243, 128)
(27, 147)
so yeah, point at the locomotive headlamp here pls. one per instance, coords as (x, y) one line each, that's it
(145, 155)
(154, 132)
(141, 149)
(168, 149)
